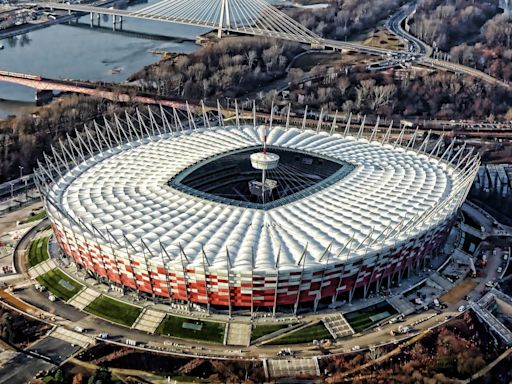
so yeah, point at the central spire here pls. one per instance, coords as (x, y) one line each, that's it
(263, 161)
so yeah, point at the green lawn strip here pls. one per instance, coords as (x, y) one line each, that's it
(360, 320)
(471, 222)
(468, 240)
(114, 310)
(38, 216)
(265, 329)
(60, 284)
(210, 331)
(38, 251)
(304, 335)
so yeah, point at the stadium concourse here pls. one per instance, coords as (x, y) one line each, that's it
(171, 207)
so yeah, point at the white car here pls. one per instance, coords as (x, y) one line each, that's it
(356, 348)
(462, 308)
(489, 284)
(499, 270)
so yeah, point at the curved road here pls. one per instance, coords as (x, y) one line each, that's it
(424, 51)
(394, 25)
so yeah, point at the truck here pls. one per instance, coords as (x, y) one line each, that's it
(403, 329)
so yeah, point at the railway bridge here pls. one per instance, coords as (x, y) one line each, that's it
(45, 87)
(325, 121)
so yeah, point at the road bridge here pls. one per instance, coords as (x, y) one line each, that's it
(259, 18)
(248, 17)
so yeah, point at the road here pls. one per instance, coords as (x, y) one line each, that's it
(459, 68)
(424, 51)
(378, 336)
(394, 25)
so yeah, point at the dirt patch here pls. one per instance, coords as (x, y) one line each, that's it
(384, 39)
(458, 292)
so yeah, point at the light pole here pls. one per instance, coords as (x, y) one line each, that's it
(21, 171)
(26, 188)
(12, 191)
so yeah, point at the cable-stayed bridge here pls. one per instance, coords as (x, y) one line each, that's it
(249, 17)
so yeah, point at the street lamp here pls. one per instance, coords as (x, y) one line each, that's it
(21, 171)
(26, 187)
(12, 191)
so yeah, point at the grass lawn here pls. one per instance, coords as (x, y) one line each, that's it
(210, 331)
(472, 222)
(38, 216)
(114, 310)
(61, 285)
(304, 335)
(38, 251)
(310, 60)
(265, 329)
(360, 320)
(468, 240)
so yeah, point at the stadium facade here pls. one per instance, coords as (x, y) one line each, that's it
(158, 204)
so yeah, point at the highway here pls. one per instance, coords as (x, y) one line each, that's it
(379, 336)
(424, 51)
(394, 25)
(459, 68)
(420, 53)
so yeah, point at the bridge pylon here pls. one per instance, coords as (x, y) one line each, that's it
(224, 20)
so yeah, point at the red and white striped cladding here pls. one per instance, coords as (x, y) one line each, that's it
(117, 216)
(242, 289)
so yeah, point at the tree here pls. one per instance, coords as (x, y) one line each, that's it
(101, 376)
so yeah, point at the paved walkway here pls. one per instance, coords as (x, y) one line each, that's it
(441, 281)
(72, 337)
(402, 305)
(42, 268)
(338, 326)
(292, 367)
(83, 298)
(149, 320)
(239, 334)
(472, 231)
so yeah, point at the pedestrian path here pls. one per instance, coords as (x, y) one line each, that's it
(338, 326)
(291, 367)
(441, 281)
(73, 337)
(402, 305)
(42, 268)
(83, 298)
(239, 334)
(149, 320)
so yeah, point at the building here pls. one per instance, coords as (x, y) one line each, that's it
(165, 208)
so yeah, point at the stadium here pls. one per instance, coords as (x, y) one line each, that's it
(236, 215)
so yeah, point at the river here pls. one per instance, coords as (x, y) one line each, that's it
(67, 51)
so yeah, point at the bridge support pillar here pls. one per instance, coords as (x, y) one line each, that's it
(114, 19)
(43, 97)
(92, 19)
